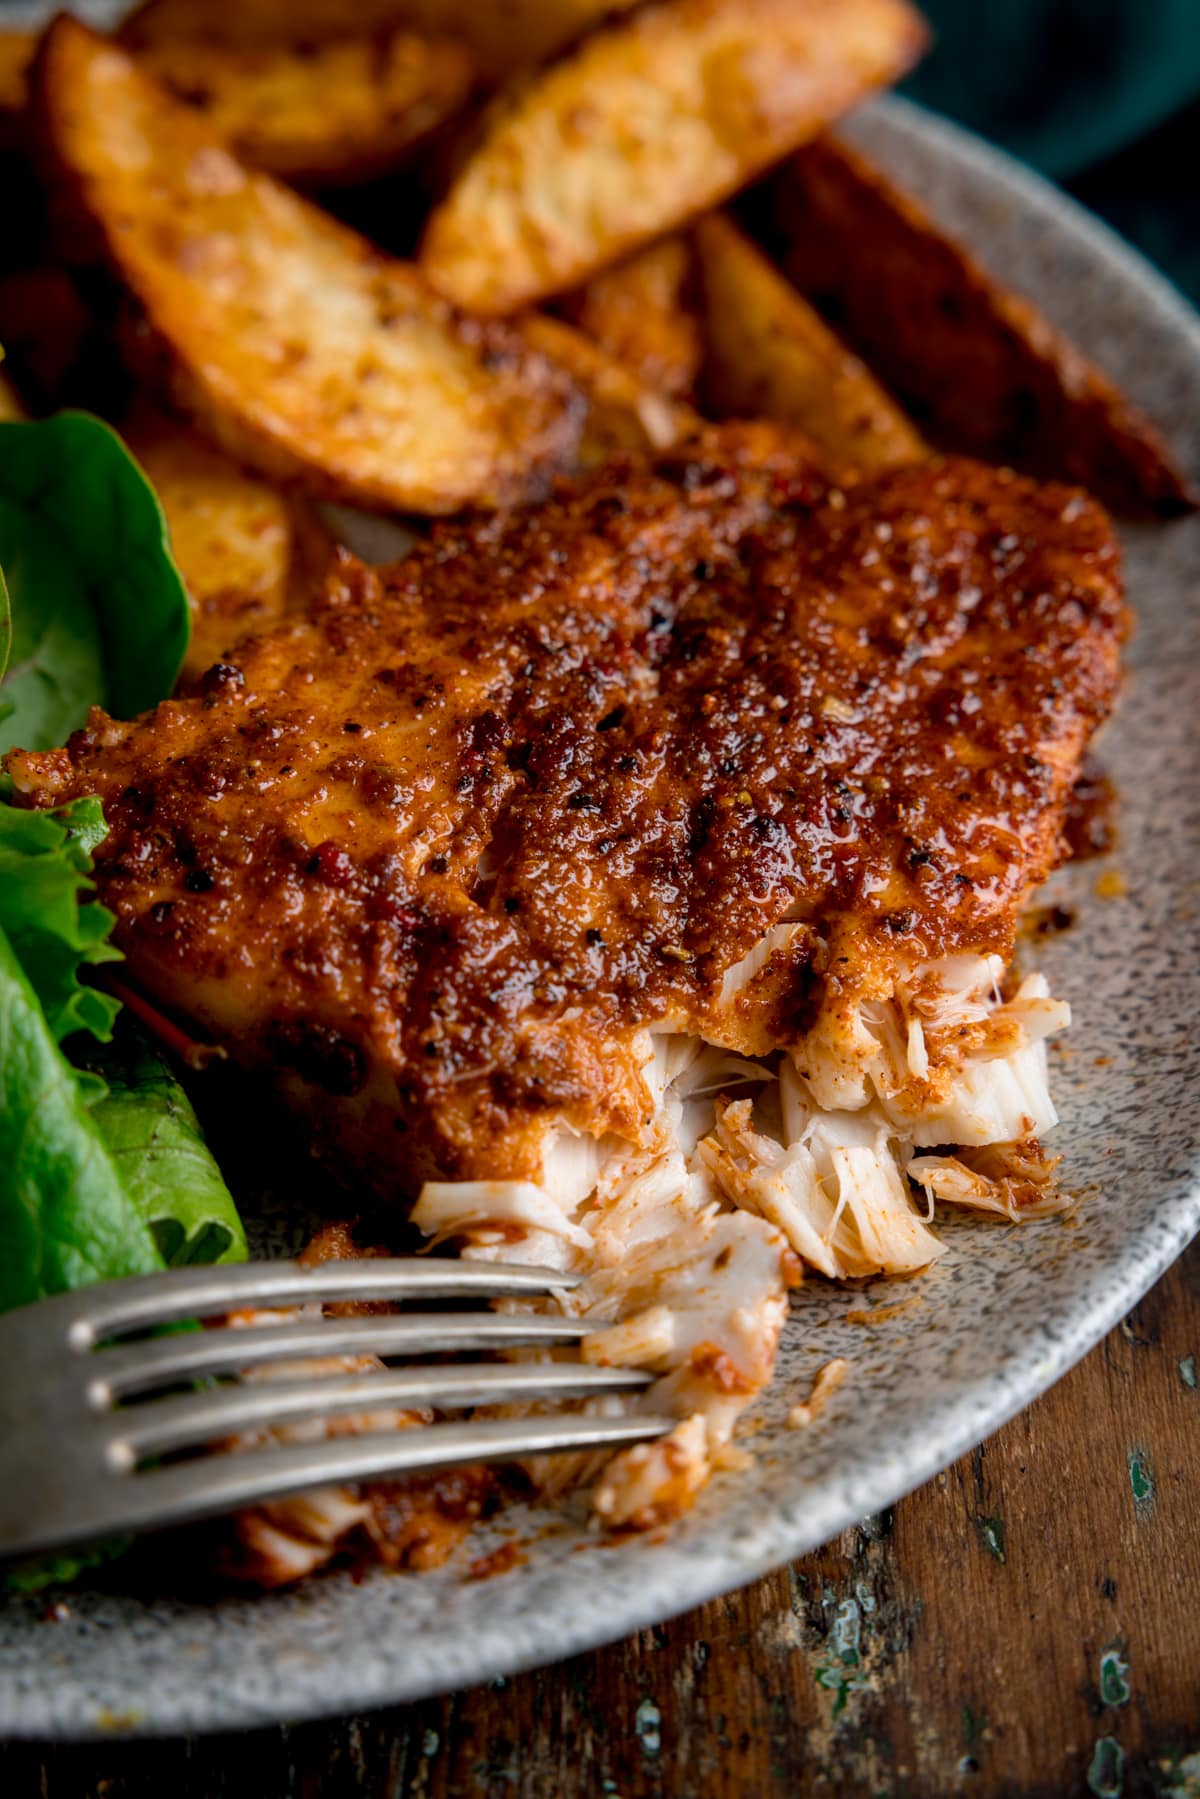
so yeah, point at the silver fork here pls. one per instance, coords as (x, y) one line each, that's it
(84, 1419)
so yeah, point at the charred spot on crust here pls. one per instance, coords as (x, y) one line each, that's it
(221, 678)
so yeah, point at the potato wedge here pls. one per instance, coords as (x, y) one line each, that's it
(622, 412)
(247, 552)
(640, 313)
(979, 367)
(334, 113)
(16, 53)
(259, 22)
(769, 355)
(644, 124)
(17, 50)
(512, 34)
(502, 34)
(287, 338)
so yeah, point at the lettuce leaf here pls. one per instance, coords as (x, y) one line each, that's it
(103, 1150)
(99, 611)
(44, 863)
(153, 1138)
(67, 1219)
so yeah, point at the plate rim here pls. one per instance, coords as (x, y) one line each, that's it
(955, 1427)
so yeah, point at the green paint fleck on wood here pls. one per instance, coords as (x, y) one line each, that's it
(1114, 1688)
(991, 1535)
(431, 1742)
(842, 1672)
(1141, 1478)
(846, 1633)
(1105, 1774)
(1187, 1371)
(841, 1683)
(647, 1722)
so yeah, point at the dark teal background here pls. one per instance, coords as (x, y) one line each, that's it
(1101, 95)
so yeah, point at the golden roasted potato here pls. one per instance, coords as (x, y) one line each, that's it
(16, 53)
(649, 121)
(502, 34)
(640, 313)
(259, 22)
(336, 112)
(622, 412)
(511, 34)
(287, 338)
(247, 551)
(978, 366)
(769, 355)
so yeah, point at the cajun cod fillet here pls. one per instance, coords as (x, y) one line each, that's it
(517, 866)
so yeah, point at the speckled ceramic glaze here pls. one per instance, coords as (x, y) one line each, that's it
(999, 1319)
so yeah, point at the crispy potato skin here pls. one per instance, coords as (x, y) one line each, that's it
(286, 337)
(248, 552)
(640, 313)
(769, 355)
(430, 855)
(502, 34)
(646, 123)
(623, 413)
(507, 35)
(324, 115)
(16, 53)
(980, 368)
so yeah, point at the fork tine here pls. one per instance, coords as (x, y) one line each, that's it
(162, 1425)
(117, 1307)
(223, 1483)
(138, 1367)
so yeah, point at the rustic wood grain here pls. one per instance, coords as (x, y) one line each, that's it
(1028, 1623)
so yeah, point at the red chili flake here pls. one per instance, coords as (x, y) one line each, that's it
(330, 864)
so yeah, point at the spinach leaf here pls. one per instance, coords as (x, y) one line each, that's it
(44, 863)
(67, 1219)
(99, 612)
(154, 1142)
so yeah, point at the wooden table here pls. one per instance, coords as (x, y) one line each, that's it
(1028, 1623)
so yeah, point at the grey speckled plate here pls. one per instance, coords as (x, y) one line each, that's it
(1003, 1315)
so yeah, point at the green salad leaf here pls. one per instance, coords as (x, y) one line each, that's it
(153, 1138)
(67, 1219)
(105, 1170)
(99, 615)
(44, 863)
